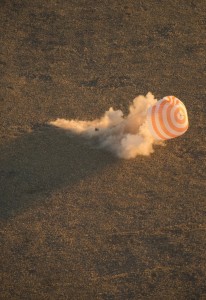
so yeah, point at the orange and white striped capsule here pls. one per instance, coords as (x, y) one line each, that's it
(168, 118)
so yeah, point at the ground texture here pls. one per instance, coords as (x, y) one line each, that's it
(78, 223)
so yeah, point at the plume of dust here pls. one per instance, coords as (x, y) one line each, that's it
(126, 137)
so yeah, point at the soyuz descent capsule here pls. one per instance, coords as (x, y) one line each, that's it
(167, 119)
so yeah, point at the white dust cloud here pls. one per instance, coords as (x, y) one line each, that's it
(125, 136)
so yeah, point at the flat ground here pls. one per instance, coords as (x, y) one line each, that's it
(78, 223)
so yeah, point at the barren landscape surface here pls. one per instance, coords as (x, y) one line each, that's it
(78, 222)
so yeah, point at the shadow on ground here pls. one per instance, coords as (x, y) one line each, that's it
(37, 163)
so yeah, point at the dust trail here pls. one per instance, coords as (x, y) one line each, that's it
(126, 137)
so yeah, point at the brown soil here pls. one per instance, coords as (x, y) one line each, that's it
(78, 223)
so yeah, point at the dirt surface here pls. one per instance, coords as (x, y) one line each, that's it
(78, 223)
